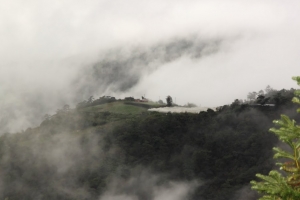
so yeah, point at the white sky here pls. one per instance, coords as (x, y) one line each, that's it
(44, 43)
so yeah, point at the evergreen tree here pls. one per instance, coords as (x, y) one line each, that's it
(284, 186)
(169, 101)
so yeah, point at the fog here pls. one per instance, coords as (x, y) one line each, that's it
(144, 185)
(64, 165)
(49, 51)
(181, 109)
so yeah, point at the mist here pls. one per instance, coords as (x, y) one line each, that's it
(196, 51)
(54, 53)
(145, 185)
(64, 165)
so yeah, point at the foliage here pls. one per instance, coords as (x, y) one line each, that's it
(169, 101)
(160, 101)
(190, 105)
(287, 186)
(91, 102)
(76, 153)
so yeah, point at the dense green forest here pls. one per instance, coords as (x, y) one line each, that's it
(78, 153)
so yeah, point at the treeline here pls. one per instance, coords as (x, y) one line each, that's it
(76, 153)
(93, 102)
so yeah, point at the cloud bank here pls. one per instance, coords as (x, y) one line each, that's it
(49, 51)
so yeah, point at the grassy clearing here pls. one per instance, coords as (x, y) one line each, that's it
(122, 107)
(106, 116)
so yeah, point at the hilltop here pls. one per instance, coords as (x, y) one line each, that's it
(108, 147)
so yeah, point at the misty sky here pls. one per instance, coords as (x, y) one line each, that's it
(46, 45)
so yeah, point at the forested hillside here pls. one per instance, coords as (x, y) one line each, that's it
(101, 150)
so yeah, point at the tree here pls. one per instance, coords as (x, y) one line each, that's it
(252, 96)
(190, 105)
(268, 89)
(169, 101)
(235, 103)
(262, 100)
(47, 117)
(66, 108)
(90, 100)
(277, 186)
(261, 92)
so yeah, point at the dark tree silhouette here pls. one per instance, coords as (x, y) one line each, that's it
(169, 101)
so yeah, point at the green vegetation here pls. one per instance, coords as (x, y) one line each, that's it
(119, 107)
(286, 186)
(78, 153)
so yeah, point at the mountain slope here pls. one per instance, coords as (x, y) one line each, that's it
(118, 149)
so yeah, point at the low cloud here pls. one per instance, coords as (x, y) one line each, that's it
(147, 186)
(49, 52)
(245, 193)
